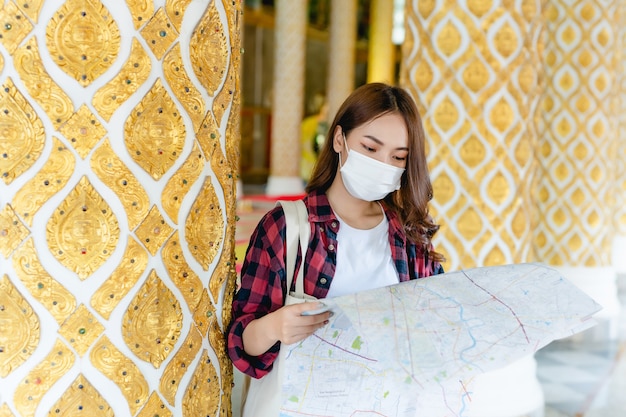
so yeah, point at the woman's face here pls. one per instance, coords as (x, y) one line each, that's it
(385, 139)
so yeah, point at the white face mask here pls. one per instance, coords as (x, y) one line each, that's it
(367, 178)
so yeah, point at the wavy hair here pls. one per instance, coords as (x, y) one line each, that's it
(410, 202)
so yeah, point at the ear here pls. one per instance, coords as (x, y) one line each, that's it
(338, 139)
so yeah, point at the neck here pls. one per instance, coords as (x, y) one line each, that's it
(356, 212)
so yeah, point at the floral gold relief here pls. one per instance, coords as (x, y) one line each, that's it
(81, 329)
(52, 177)
(112, 171)
(132, 75)
(176, 11)
(204, 313)
(153, 231)
(81, 398)
(141, 10)
(154, 132)
(83, 231)
(159, 33)
(12, 231)
(181, 273)
(41, 378)
(208, 135)
(31, 8)
(19, 328)
(180, 364)
(178, 186)
(125, 276)
(83, 39)
(154, 407)
(153, 321)
(22, 132)
(5, 411)
(225, 95)
(83, 130)
(15, 26)
(183, 88)
(55, 102)
(108, 359)
(57, 299)
(208, 50)
(202, 396)
(218, 344)
(204, 227)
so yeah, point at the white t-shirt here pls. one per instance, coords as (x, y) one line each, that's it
(363, 259)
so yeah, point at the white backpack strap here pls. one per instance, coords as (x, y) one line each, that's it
(298, 229)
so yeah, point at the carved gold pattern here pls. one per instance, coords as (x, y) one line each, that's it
(81, 329)
(181, 273)
(141, 10)
(204, 227)
(83, 231)
(19, 328)
(57, 105)
(208, 135)
(208, 50)
(12, 231)
(83, 130)
(181, 85)
(180, 365)
(154, 408)
(52, 177)
(31, 8)
(233, 138)
(42, 377)
(83, 39)
(203, 392)
(22, 132)
(225, 268)
(49, 292)
(125, 276)
(112, 171)
(132, 75)
(5, 411)
(179, 184)
(203, 313)
(122, 371)
(81, 398)
(153, 321)
(15, 26)
(159, 33)
(176, 11)
(155, 132)
(218, 343)
(153, 231)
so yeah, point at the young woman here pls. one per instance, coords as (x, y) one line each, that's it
(367, 204)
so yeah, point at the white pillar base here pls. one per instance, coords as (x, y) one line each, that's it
(619, 254)
(601, 285)
(512, 391)
(284, 186)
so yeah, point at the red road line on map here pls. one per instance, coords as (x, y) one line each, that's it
(345, 350)
(501, 302)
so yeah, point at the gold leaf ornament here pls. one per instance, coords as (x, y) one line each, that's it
(153, 231)
(180, 365)
(14, 26)
(82, 398)
(204, 227)
(203, 391)
(83, 130)
(19, 328)
(83, 231)
(159, 33)
(179, 185)
(12, 231)
(83, 39)
(81, 329)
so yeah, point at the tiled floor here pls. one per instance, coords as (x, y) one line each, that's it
(582, 376)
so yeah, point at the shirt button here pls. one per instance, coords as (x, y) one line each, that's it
(331, 247)
(333, 225)
(323, 280)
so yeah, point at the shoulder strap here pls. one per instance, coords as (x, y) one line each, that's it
(298, 229)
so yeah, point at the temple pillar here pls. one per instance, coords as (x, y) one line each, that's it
(381, 54)
(119, 153)
(474, 68)
(288, 97)
(579, 139)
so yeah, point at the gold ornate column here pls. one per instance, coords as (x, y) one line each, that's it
(619, 245)
(119, 151)
(474, 68)
(578, 146)
(288, 97)
(381, 53)
(342, 44)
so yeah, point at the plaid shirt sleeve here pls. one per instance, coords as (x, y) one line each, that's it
(261, 291)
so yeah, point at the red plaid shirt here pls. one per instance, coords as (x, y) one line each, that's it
(263, 272)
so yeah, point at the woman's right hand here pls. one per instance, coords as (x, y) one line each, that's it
(287, 325)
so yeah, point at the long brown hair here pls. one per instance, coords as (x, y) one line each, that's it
(410, 202)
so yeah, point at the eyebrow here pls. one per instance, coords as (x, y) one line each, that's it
(381, 143)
